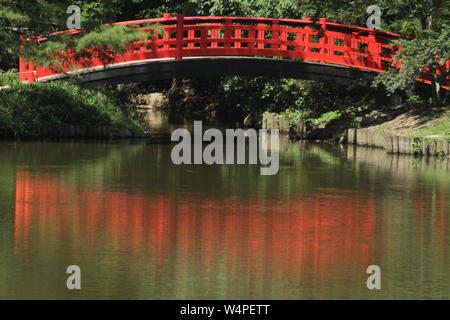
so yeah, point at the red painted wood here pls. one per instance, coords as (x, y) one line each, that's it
(320, 42)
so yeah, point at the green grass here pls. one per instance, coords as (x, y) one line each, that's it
(439, 127)
(436, 129)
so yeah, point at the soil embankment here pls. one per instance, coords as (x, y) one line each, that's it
(414, 130)
(404, 129)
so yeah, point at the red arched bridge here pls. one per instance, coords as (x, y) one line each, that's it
(205, 46)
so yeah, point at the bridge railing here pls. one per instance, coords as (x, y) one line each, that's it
(304, 40)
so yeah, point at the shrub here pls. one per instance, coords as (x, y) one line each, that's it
(24, 109)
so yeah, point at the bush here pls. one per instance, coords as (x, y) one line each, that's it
(8, 78)
(24, 109)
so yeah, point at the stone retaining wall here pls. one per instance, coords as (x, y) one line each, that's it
(273, 121)
(397, 144)
(398, 164)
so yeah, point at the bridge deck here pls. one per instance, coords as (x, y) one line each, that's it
(167, 68)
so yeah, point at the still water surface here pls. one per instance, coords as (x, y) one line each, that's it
(140, 227)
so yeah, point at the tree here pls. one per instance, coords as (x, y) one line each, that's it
(20, 17)
(103, 42)
(41, 18)
(425, 55)
(248, 8)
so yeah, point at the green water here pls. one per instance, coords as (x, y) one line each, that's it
(140, 227)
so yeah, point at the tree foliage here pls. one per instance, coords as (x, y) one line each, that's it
(41, 18)
(103, 42)
(430, 52)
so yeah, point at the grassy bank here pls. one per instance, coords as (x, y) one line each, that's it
(25, 109)
(420, 122)
(413, 120)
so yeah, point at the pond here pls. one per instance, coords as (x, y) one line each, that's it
(140, 227)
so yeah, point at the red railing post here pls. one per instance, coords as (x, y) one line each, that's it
(227, 33)
(27, 70)
(276, 35)
(261, 35)
(203, 38)
(252, 37)
(22, 63)
(323, 40)
(153, 42)
(166, 34)
(447, 67)
(180, 36)
(374, 50)
(283, 39)
(354, 49)
(307, 33)
(214, 37)
(191, 36)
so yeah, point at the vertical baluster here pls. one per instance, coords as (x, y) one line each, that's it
(298, 43)
(23, 65)
(261, 35)
(307, 41)
(238, 36)
(353, 47)
(374, 50)
(214, 37)
(276, 35)
(447, 67)
(252, 36)
(191, 36)
(166, 39)
(323, 41)
(166, 33)
(155, 40)
(331, 48)
(203, 38)
(283, 39)
(346, 47)
(227, 33)
(180, 35)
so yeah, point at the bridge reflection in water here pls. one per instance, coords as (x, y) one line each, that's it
(317, 244)
(223, 242)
